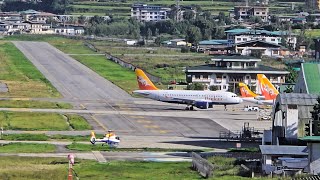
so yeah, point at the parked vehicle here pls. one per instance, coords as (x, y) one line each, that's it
(251, 108)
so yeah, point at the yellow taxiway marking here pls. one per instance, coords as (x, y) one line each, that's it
(143, 121)
(100, 124)
(125, 108)
(82, 106)
(163, 132)
(151, 126)
(20, 99)
(137, 117)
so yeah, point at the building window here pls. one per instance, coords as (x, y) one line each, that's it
(197, 76)
(224, 87)
(240, 51)
(263, 12)
(245, 39)
(238, 39)
(243, 12)
(205, 76)
(224, 77)
(275, 52)
(273, 39)
(257, 12)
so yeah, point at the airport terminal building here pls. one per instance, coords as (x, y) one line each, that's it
(225, 72)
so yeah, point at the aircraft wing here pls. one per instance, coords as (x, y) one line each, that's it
(189, 101)
(256, 101)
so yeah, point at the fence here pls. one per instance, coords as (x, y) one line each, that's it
(122, 63)
(203, 166)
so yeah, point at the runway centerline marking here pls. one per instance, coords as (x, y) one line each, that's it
(100, 124)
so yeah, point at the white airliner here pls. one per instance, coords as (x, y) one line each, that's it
(199, 99)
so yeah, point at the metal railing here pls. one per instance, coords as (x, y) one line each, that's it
(203, 166)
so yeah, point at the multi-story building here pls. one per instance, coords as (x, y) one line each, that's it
(225, 72)
(245, 12)
(236, 36)
(313, 4)
(146, 13)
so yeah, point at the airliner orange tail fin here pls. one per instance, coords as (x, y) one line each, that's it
(143, 81)
(245, 91)
(267, 88)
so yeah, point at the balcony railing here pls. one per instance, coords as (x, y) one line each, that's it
(200, 80)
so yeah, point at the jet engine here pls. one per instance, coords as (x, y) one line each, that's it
(201, 104)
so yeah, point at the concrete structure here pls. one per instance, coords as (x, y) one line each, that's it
(146, 13)
(225, 72)
(283, 159)
(290, 113)
(309, 79)
(313, 154)
(213, 47)
(236, 36)
(313, 4)
(263, 48)
(175, 42)
(245, 12)
(69, 30)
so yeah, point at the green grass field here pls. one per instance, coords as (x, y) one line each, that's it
(33, 121)
(78, 122)
(33, 104)
(27, 148)
(41, 121)
(99, 147)
(312, 75)
(122, 77)
(21, 77)
(34, 168)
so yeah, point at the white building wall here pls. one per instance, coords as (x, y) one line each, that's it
(292, 123)
(314, 157)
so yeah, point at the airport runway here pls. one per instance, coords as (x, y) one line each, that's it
(109, 107)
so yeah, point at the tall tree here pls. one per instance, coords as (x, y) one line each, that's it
(193, 35)
(188, 15)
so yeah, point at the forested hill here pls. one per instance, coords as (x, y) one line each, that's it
(53, 6)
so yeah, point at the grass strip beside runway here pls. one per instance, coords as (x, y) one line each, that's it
(122, 77)
(20, 76)
(35, 168)
(40, 121)
(34, 104)
(27, 148)
(99, 147)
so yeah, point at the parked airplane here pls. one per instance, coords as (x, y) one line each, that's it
(267, 88)
(269, 92)
(110, 139)
(199, 99)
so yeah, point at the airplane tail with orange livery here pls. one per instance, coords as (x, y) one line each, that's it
(245, 91)
(267, 88)
(143, 81)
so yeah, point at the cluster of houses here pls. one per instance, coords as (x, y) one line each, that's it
(34, 22)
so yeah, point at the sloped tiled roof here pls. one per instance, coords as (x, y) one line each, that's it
(283, 150)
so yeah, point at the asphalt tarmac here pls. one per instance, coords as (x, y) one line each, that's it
(135, 116)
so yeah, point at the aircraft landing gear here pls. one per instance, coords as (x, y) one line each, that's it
(189, 108)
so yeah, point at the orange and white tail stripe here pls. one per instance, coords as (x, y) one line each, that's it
(245, 91)
(267, 88)
(143, 81)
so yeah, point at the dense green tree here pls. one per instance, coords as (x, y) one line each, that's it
(195, 86)
(292, 76)
(188, 15)
(193, 35)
